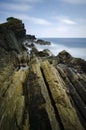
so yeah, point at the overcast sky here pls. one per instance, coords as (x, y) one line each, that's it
(48, 18)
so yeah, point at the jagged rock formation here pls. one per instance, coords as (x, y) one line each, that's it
(16, 26)
(39, 91)
(42, 42)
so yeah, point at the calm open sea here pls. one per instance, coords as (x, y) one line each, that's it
(75, 46)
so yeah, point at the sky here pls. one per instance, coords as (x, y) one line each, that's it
(48, 18)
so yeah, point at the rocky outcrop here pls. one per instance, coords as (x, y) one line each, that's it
(42, 42)
(58, 93)
(31, 37)
(44, 53)
(39, 91)
(77, 63)
(13, 73)
(16, 26)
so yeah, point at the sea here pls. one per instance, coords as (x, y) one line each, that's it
(75, 46)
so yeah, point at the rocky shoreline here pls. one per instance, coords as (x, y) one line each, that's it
(39, 91)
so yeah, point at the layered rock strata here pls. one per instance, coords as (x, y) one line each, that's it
(39, 91)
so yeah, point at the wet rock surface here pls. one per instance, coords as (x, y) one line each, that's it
(39, 91)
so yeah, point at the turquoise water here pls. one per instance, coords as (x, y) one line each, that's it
(75, 46)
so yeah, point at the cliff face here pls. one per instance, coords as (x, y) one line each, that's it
(39, 91)
(16, 26)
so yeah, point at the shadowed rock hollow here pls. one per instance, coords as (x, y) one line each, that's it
(39, 91)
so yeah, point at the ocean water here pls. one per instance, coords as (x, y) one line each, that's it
(75, 46)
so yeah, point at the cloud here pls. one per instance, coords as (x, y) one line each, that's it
(36, 20)
(40, 21)
(68, 21)
(60, 31)
(65, 20)
(40, 25)
(75, 1)
(15, 6)
(32, 20)
(82, 21)
(29, 1)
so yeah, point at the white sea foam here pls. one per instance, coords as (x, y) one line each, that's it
(56, 48)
